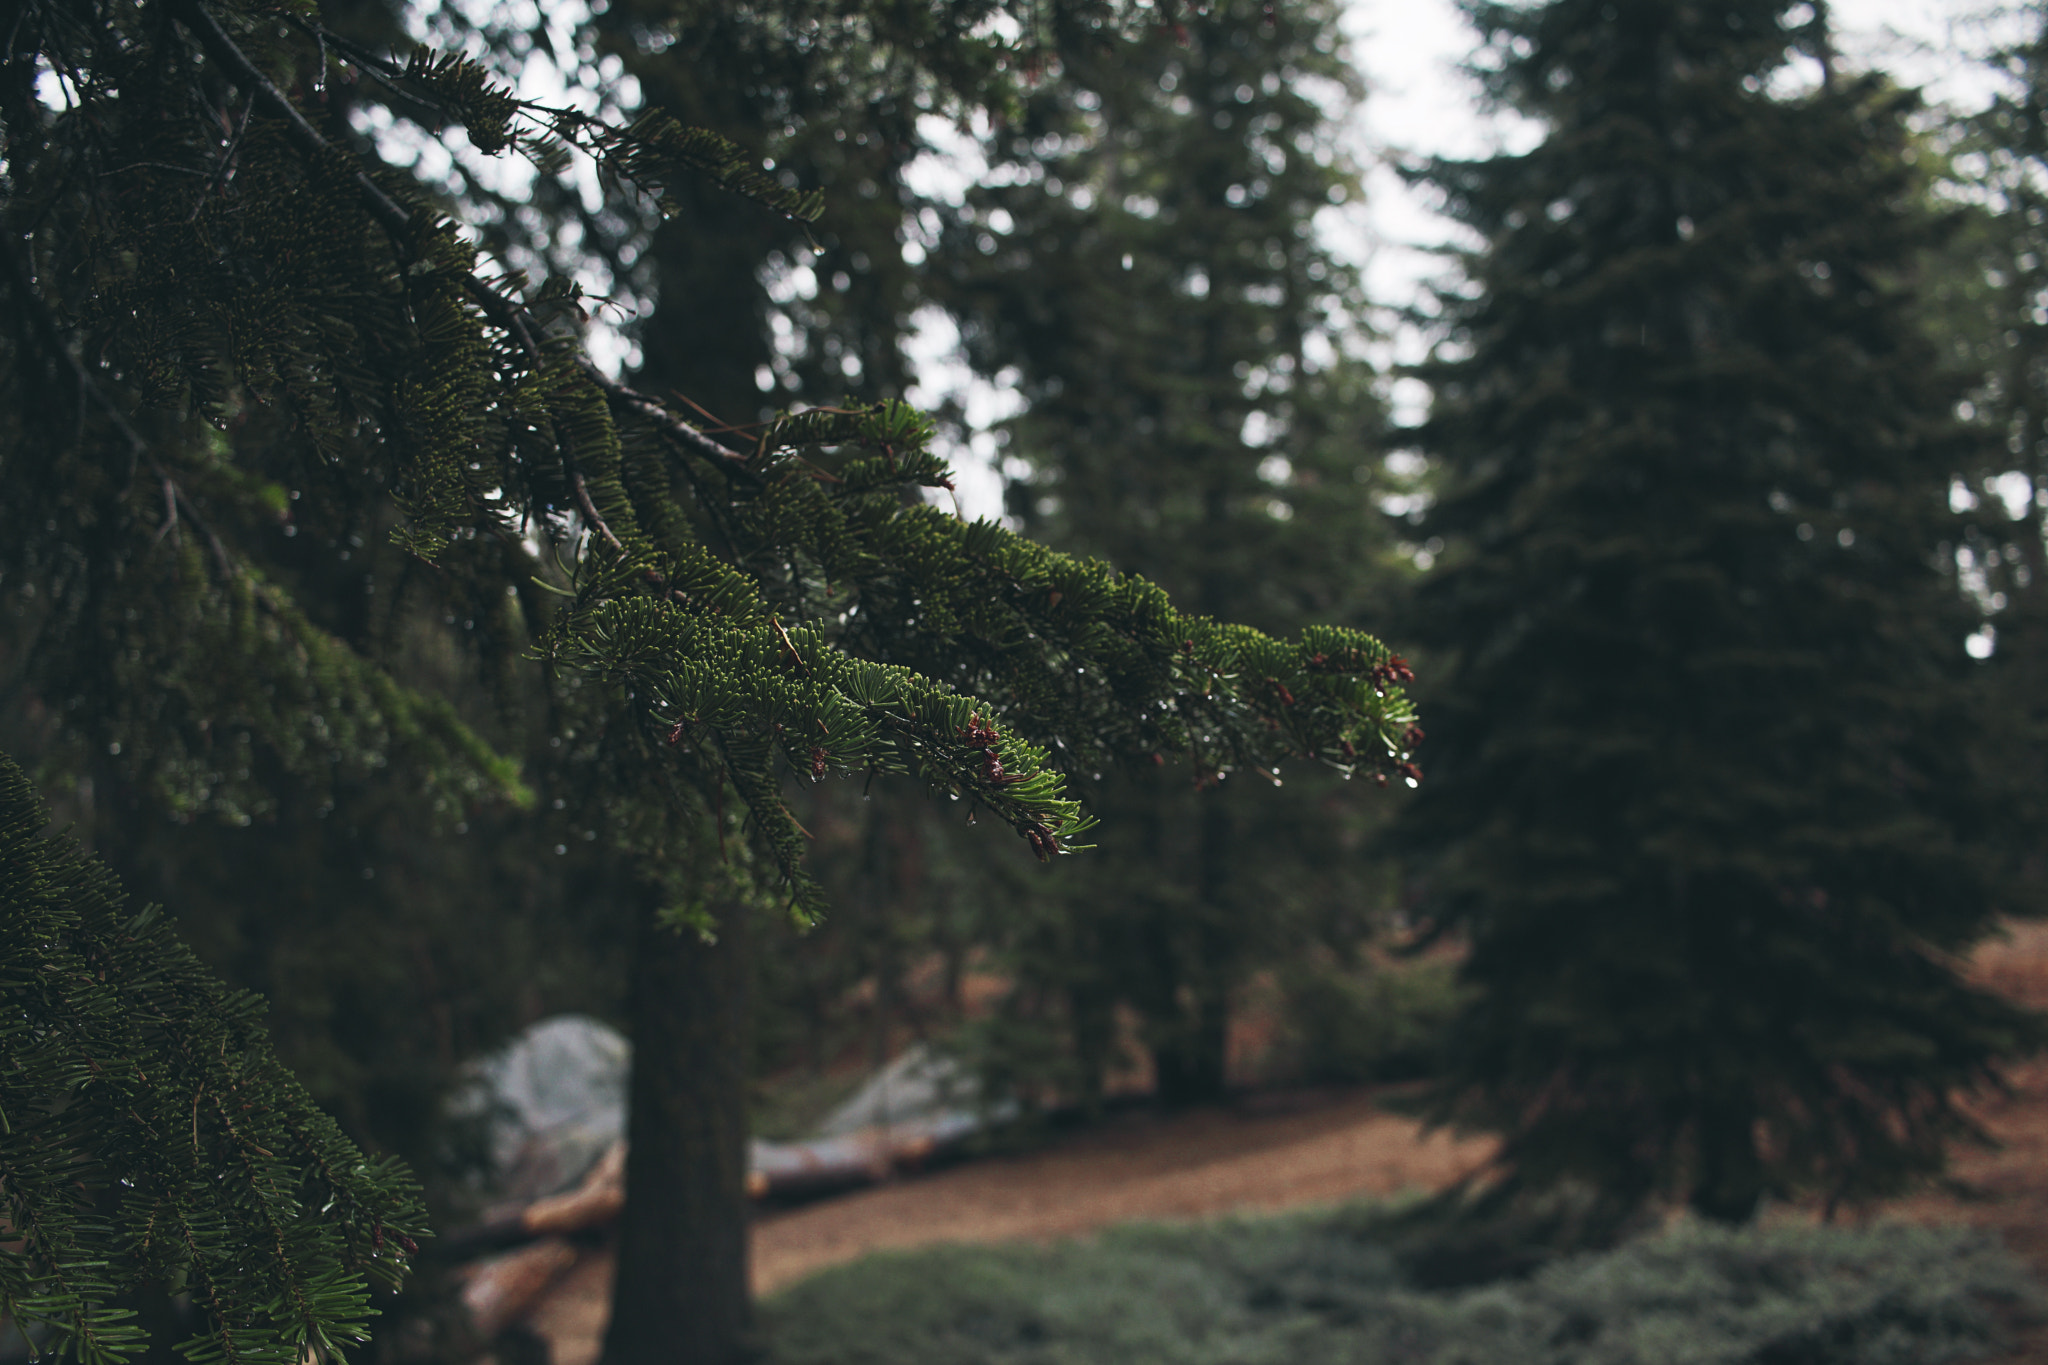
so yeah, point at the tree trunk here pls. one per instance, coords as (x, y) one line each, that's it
(1190, 1064)
(681, 1295)
(1730, 1184)
(1194, 1069)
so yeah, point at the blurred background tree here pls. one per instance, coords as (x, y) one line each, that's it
(1224, 439)
(1702, 793)
(1988, 303)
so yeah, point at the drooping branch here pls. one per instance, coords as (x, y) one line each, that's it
(590, 511)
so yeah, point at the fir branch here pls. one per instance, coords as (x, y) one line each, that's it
(303, 135)
(91, 996)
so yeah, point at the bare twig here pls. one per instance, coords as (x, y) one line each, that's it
(717, 428)
(170, 514)
(158, 166)
(320, 43)
(219, 179)
(668, 423)
(783, 636)
(590, 510)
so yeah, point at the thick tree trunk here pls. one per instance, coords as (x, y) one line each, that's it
(1191, 1066)
(1730, 1186)
(1193, 1063)
(681, 1295)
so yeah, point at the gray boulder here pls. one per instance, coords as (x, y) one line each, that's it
(553, 1101)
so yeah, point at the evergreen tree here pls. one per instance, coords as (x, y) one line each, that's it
(195, 241)
(1699, 793)
(1143, 266)
(834, 94)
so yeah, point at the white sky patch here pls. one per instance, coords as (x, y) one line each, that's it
(1260, 429)
(54, 89)
(597, 86)
(944, 175)
(1419, 103)
(955, 164)
(2013, 489)
(943, 373)
(1925, 43)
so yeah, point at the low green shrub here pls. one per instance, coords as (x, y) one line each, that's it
(1325, 1290)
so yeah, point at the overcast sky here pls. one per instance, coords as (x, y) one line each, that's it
(1418, 101)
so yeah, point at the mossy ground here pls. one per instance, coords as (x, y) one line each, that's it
(1329, 1289)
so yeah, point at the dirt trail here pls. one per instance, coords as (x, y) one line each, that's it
(2007, 1186)
(1144, 1167)
(1214, 1162)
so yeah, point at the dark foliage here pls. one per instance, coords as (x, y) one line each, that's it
(148, 1132)
(1701, 789)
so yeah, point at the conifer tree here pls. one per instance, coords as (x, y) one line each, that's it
(836, 94)
(1699, 793)
(1144, 266)
(194, 242)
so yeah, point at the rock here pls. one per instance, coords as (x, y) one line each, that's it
(919, 1085)
(554, 1102)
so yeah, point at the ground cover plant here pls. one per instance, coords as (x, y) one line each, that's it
(1333, 1288)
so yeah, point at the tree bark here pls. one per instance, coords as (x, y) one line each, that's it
(1190, 1066)
(1196, 1070)
(1730, 1184)
(681, 1294)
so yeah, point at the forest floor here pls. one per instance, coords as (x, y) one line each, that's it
(1280, 1152)
(2005, 1187)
